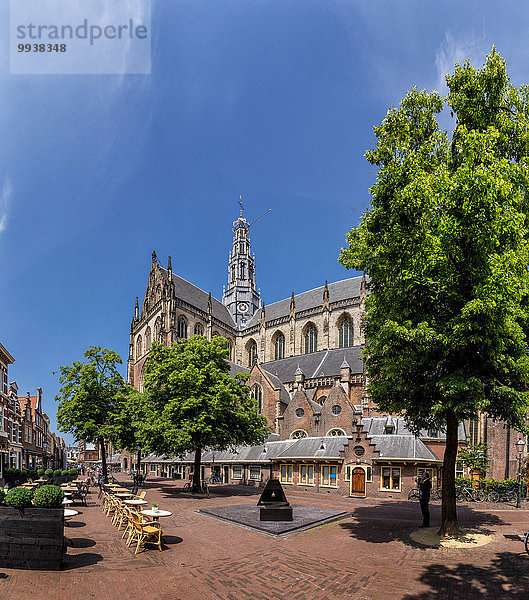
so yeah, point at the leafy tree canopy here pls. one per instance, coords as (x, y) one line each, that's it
(194, 401)
(89, 394)
(445, 245)
(475, 457)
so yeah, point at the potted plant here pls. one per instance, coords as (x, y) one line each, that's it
(154, 506)
(32, 528)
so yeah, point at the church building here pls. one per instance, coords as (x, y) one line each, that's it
(303, 354)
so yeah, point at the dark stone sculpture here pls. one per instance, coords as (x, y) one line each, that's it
(273, 503)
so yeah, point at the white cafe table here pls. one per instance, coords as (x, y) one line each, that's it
(70, 512)
(124, 495)
(135, 502)
(66, 501)
(156, 514)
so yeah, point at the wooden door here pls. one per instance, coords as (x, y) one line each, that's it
(226, 474)
(358, 482)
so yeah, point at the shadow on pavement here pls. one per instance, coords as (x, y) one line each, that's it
(74, 524)
(76, 561)
(385, 523)
(170, 540)
(506, 578)
(225, 491)
(81, 542)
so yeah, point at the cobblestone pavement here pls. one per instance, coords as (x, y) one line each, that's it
(368, 556)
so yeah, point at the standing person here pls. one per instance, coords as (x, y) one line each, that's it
(425, 487)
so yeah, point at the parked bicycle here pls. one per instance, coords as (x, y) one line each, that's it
(201, 489)
(469, 494)
(215, 478)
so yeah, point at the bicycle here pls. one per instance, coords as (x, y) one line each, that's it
(413, 494)
(201, 489)
(526, 542)
(215, 479)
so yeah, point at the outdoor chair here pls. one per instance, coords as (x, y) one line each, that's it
(80, 494)
(146, 533)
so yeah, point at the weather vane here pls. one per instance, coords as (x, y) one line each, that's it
(241, 204)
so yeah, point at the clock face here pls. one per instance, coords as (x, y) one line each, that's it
(243, 307)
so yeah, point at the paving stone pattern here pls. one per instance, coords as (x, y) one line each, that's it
(368, 556)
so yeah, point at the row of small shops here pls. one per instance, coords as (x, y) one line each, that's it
(377, 461)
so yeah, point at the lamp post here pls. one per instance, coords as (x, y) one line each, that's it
(519, 446)
(45, 450)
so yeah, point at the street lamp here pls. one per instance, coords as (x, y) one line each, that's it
(45, 450)
(519, 446)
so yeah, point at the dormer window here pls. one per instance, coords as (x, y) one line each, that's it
(389, 429)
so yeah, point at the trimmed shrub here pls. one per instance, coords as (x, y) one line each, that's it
(72, 472)
(40, 472)
(48, 496)
(2, 495)
(57, 473)
(33, 474)
(19, 497)
(64, 473)
(48, 472)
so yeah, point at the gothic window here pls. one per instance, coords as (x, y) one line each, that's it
(158, 293)
(199, 330)
(252, 353)
(181, 327)
(336, 432)
(279, 347)
(345, 333)
(148, 339)
(242, 270)
(230, 348)
(158, 330)
(250, 272)
(311, 339)
(298, 434)
(473, 431)
(257, 395)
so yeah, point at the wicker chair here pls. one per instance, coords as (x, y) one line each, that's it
(145, 533)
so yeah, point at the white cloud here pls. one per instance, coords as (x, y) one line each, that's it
(460, 50)
(5, 200)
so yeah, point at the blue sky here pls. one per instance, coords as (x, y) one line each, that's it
(274, 100)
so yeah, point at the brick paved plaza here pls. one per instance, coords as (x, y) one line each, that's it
(364, 557)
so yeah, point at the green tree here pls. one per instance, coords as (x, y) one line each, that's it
(475, 457)
(128, 422)
(195, 403)
(445, 245)
(88, 397)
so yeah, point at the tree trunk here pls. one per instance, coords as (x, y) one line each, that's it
(449, 525)
(196, 487)
(138, 462)
(103, 459)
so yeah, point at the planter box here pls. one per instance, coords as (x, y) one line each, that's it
(32, 538)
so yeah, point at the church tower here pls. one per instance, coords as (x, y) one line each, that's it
(240, 296)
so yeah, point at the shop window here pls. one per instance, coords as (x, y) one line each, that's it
(286, 473)
(236, 472)
(391, 478)
(306, 474)
(328, 475)
(459, 469)
(255, 473)
(420, 473)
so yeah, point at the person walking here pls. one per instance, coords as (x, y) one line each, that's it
(425, 487)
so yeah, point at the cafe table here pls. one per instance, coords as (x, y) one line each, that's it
(124, 495)
(66, 501)
(135, 502)
(156, 514)
(70, 512)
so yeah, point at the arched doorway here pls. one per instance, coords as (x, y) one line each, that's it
(358, 482)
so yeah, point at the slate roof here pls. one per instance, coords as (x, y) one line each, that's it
(186, 291)
(315, 447)
(374, 426)
(317, 364)
(339, 290)
(404, 447)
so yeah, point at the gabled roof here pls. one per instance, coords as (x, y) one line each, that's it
(284, 396)
(338, 291)
(186, 291)
(317, 364)
(403, 447)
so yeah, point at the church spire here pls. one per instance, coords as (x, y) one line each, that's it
(240, 296)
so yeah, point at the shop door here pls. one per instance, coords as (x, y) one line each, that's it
(226, 474)
(358, 482)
